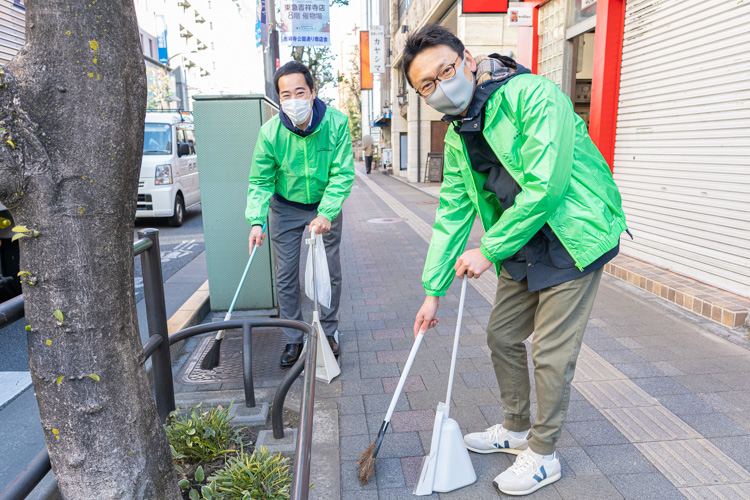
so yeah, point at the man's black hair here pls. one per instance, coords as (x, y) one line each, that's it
(289, 69)
(430, 35)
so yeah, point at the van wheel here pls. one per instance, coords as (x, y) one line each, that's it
(10, 285)
(179, 212)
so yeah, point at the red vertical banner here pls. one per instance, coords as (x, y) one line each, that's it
(365, 77)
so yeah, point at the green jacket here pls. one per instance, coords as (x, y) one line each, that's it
(312, 169)
(565, 182)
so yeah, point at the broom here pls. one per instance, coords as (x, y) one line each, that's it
(211, 360)
(366, 460)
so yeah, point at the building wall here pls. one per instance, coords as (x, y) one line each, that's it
(481, 34)
(212, 40)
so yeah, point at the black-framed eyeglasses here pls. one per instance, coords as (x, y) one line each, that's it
(446, 73)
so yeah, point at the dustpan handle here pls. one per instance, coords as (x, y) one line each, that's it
(315, 277)
(455, 341)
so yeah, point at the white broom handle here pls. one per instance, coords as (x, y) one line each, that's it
(402, 380)
(455, 341)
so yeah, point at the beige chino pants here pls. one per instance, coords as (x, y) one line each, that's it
(557, 316)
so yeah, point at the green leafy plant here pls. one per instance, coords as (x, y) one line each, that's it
(199, 476)
(261, 475)
(202, 436)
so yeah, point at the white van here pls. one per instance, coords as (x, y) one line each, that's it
(169, 168)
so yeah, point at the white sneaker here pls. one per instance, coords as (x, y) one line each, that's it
(529, 473)
(496, 439)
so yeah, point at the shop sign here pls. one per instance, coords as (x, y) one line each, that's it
(377, 49)
(520, 15)
(305, 23)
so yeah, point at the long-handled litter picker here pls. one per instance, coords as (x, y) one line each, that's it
(211, 360)
(448, 466)
(366, 460)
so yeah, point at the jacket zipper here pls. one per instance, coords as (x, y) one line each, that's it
(467, 164)
(307, 171)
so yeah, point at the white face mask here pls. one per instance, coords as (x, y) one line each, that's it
(298, 110)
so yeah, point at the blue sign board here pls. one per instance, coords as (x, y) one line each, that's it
(161, 39)
(19, 4)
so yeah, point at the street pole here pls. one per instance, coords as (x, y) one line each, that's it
(271, 56)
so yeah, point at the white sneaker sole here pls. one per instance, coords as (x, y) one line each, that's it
(540, 484)
(510, 451)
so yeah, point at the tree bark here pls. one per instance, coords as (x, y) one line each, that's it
(73, 107)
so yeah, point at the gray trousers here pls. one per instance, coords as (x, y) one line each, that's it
(287, 227)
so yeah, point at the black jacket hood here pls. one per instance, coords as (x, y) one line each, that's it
(319, 110)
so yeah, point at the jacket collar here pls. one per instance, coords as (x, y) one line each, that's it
(319, 110)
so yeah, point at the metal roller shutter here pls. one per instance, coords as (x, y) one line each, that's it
(682, 150)
(12, 30)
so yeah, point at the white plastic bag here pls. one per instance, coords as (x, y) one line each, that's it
(321, 271)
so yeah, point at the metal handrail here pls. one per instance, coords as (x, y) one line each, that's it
(11, 310)
(303, 449)
(158, 344)
(26, 480)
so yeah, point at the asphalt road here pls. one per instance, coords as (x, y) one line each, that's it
(179, 245)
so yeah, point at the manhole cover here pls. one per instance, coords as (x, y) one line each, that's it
(385, 220)
(268, 344)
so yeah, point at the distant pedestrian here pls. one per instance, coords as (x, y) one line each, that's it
(517, 155)
(303, 170)
(367, 144)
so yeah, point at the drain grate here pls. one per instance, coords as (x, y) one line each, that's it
(268, 344)
(429, 202)
(386, 220)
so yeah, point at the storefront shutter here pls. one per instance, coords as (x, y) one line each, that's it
(682, 151)
(12, 29)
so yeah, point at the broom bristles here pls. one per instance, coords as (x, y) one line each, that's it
(366, 464)
(211, 360)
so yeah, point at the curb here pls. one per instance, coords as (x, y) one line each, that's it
(411, 185)
(191, 313)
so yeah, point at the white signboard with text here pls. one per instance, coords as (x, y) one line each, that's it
(304, 23)
(378, 50)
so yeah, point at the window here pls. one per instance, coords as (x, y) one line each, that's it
(403, 6)
(190, 138)
(157, 139)
(150, 48)
(211, 25)
(212, 45)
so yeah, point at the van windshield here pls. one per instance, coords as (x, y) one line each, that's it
(157, 139)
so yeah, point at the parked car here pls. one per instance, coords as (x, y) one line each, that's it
(169, 168)
(10, 286)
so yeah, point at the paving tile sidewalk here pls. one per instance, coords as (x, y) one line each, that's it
(660, 406)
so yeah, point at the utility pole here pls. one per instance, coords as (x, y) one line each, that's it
(271, 55)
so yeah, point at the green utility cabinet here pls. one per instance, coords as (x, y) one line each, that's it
(226, 128)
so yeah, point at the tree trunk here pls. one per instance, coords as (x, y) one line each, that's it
(73, 106)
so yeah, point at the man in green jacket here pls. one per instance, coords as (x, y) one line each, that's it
(517, 155)
(303, 170)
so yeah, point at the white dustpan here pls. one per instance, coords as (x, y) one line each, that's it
(326, 367)
(448, 466)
